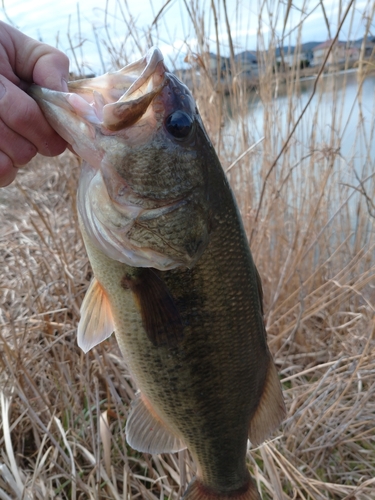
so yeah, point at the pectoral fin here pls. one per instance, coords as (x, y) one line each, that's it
(160, 316)
(146, 432)
(271, 408)
(96, 323)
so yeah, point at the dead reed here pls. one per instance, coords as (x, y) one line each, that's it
(310, 217)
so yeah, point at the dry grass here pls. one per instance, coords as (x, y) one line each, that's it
(62, 413)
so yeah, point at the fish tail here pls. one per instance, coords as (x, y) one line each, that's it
(198, 491)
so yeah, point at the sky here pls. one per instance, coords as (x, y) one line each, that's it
(88, 22)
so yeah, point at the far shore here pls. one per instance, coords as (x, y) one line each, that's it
(251, 82)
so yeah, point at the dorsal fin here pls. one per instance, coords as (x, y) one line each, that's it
(96, 323)
(146, 432)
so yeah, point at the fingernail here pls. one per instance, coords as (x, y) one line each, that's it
(2, 90)
(64, 84)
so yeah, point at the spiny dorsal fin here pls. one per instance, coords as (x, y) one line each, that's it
(147, 433)
(160, 316)
(270, 411)
(96, 323)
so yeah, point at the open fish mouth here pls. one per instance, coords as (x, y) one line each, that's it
(109, 103)
(119, 99)
(136, 178)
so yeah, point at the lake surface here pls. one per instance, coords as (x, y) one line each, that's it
(337, 131)
(339, 102)
(341, 115)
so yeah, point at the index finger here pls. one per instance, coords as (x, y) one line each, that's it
(21, 114)
(35, 62)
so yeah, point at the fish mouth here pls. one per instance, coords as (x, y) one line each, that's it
(106, 105)
(108, 121)
(119, 99)
(126, 83)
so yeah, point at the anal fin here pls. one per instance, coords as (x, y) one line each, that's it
(96, 322)
(147, 433)
(271, 408)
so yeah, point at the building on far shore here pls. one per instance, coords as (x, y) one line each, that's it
(290, 57)
(343, 52)
(336, 56)
(248, 64)
(208, 61)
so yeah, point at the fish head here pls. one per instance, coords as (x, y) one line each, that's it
(142, 194)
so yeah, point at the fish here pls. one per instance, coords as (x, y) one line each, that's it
(173, 275)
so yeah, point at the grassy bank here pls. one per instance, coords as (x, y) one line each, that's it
(309, 214)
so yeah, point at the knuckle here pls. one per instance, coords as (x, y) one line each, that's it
(20, 112)
(25, 115)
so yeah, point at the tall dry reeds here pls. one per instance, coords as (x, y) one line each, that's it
(306, 195)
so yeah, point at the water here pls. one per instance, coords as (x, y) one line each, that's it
(340, 119)
(335, 112)
(335, 138)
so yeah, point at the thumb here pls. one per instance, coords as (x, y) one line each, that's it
(51, 68)
(36, 62)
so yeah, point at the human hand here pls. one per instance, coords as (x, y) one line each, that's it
(23, 129)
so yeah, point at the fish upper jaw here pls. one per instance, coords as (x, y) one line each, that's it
(131, 82)
(97, 112)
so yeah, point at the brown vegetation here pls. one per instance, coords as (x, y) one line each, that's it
(309, 213)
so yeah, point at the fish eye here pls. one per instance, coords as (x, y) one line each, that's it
(179, 124)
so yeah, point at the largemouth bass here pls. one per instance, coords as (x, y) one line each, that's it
(173, 273)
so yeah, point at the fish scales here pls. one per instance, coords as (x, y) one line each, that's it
(174, 278)
(210, 370)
